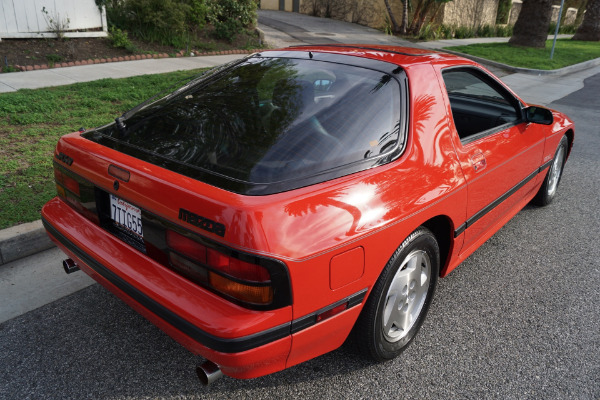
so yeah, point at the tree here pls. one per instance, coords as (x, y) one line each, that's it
(395, 26)
(531, 28)
(590, 27)
(404, 26)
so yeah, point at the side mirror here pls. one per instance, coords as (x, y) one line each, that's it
(538, 115)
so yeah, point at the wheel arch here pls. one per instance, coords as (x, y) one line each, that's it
(570, 137)
(441, 227)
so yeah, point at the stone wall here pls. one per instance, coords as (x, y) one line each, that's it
(568, 15)
(372, 13)
(471, 13)
(365, 12)
(514, 11)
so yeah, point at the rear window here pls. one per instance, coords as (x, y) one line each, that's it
(268, 125)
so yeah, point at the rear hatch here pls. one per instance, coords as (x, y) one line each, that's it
(187, 226)
(271, 123)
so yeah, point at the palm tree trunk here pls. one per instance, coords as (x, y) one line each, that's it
(395, 27)
(531, 28)
(590, 27)
(404, 25)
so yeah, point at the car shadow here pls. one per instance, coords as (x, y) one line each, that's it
(92, 345)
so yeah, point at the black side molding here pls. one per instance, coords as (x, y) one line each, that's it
(223, 345)
(479, 214)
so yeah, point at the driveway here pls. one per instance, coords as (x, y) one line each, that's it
(287, 29)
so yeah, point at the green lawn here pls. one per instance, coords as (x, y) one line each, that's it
(567, 52)
(31, 121)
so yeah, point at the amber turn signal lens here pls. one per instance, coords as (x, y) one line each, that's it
(61, 191)
(247, 293)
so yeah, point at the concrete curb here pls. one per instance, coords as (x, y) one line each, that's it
(552, 72)
(23, 240)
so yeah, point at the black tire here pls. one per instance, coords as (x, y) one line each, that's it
(379, 338)
(549, 188)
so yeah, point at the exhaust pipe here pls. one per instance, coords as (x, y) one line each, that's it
(70, 266)
(208, 372)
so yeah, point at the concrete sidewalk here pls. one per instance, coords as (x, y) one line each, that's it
(444, 43)
(10, 82)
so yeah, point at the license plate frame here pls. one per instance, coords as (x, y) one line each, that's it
(126, 216)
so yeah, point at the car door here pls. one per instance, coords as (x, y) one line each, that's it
(499, 152)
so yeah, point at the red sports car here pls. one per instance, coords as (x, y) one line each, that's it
(274, 207)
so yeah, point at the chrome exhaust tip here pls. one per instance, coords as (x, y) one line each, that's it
(70, 266)
(208, 372)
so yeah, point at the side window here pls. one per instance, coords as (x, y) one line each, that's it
(479, 105)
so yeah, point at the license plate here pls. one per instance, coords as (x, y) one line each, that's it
(126, 215)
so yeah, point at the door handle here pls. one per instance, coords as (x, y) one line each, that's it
(478, 161)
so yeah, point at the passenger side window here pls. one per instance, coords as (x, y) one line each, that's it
(480, 106)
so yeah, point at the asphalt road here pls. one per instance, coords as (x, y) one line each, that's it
(519, 319)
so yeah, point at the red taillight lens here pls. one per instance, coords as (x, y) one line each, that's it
(58, 176)
(224, 273)
(71, 184)
(66, 182)
(244, 270)
(68, 188)
(188, 268)
(186, 246)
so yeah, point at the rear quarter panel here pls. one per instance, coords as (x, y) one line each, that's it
(375, 209)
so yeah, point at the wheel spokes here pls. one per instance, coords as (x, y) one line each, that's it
(555, 171)
(406, 295)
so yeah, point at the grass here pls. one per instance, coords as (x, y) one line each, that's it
(567, 52)
(32, 121)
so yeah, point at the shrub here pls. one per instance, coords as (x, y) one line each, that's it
(162, 21)
(177, 22)
(53, 59)
(446, 31)
(119, 38)
(486, 31)
(230, 17)
(57, 24)
(464, 32)
(563, 29)
(504, 7)
(427, 32)
(431, 32)
(504, 30)
(198, 13)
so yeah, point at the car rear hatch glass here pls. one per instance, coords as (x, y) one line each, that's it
(270, 124)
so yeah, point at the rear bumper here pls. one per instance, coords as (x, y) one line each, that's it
(172, 303)
(244, 343)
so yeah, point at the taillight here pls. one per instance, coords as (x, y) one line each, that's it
(186, 246)
(241, 291)
(68, 188)
(228, 274)
(66, 181)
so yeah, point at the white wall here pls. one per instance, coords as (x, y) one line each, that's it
(25, 19)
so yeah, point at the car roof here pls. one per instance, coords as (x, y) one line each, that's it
(396, 54)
